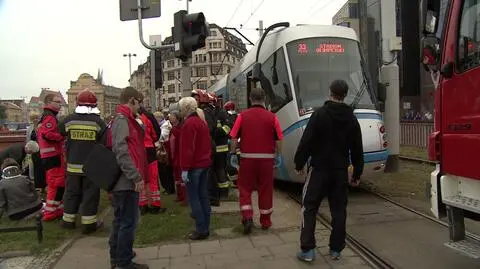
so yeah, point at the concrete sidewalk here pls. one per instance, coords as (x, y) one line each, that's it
(274, 249)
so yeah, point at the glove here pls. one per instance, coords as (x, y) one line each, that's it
(234, 161)
(278, 160)
(185, 176)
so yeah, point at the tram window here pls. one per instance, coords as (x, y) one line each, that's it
(275, 82)
(468, 50)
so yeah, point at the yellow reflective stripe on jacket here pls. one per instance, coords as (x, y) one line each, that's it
(80, 127)
(223, 185)
(75, 168)
(226, 129)
(222, 148)
(89, 219)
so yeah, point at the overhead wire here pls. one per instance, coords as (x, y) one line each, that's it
(321, 7)
(234, 12)
(251, 14)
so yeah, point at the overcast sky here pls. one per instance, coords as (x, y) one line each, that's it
(46, 44)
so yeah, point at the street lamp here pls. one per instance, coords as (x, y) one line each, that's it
(129, 55)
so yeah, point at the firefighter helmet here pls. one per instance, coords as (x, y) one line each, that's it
(87, 98)
(203, 96)
(212, 98)
(229, 106)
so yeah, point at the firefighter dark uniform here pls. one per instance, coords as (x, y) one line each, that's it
(51, 143)
(83, 129)
(231, 114)
(152, 135)
(220, 136)
(258, 129)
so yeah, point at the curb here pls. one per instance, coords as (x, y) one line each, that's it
(14, 254)
(49, 260)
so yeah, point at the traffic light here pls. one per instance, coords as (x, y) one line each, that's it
(189, 33)
(156, 69)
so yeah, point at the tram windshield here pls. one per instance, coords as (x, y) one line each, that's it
(316, 62)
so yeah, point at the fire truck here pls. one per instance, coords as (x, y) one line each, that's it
(451, 53)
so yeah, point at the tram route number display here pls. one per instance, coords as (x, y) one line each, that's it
(320, 49)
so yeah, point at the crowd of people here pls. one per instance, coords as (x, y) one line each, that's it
(197, 151)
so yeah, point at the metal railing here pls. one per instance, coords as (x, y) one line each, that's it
(415, 133)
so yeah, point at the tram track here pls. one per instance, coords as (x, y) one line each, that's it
(416, 160)
(367, 254)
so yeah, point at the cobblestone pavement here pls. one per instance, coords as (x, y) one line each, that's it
(227, 248)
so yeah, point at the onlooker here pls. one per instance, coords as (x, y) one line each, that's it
(127, 140)
(36, 169)
(18, 197)
(174, 139)
(18, 152)
(195, 159)
(332, 137)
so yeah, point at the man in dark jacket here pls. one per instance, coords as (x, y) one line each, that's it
(332, 137)
(127, 144)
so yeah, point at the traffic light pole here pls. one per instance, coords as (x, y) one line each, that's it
(186, 78)
(140, 31)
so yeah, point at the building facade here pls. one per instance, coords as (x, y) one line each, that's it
(13, 112)
(222, 52)
(108, 97)
(348, 16)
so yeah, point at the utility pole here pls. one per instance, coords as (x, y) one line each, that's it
(389, 74)
(260, 28)
(129, 55)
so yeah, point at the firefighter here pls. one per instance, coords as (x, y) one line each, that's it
(83, 129)
(51, 143)
(232, 173)
(260, 135)
(220, 136)
(152, 135)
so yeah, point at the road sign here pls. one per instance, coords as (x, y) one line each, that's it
(129, 12)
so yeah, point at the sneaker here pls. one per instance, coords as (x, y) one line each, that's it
(112, 263)
(334, 254)
(306, 256)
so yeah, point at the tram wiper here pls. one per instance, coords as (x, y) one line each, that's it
(359, 94)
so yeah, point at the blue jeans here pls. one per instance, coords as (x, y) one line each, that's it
(197, 190)
(126, 216)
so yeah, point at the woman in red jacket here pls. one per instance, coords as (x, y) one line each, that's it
(174, 139)
(195, 159)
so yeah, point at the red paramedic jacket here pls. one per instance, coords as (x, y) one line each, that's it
(195, 144)
(50, 140)
(258, 129)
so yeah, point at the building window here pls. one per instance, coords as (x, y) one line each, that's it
(171, 88)
(345, 24)
(213, 33)
(170, 75)
(353, 10)
(216, 70)
(170, 63)
(201, 72)
(202, 85)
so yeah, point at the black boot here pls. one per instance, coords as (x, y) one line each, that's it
(68, 225)
(156, 210)
(215, 203)
(143, 210)
(198, 236)
(247, 226)
(91, 228)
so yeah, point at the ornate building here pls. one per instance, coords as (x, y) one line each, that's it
(107, 96)
(222, 51)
